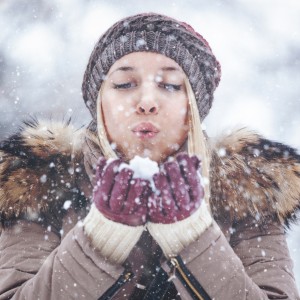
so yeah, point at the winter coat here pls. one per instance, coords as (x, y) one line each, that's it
(45, 193)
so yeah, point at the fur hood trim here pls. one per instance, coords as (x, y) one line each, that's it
(251, 175)
(38, 170)
(41, 165)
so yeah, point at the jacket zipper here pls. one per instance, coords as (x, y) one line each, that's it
(176, 265)
(125, 277)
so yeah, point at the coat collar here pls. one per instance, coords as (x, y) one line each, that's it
(253, 176)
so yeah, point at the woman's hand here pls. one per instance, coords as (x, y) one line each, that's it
(179, 190)
(118, 196)
(177, 214)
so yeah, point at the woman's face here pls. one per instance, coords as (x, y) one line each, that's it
(144, 104)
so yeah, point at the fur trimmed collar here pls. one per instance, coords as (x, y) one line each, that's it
(251, 175)
(41, 167)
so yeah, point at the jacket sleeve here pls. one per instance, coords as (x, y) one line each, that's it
(255, 265)
(36, 264)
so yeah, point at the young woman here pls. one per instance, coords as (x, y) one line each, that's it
(80, 221)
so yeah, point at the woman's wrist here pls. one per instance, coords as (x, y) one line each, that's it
(174, 237)
(114, 240)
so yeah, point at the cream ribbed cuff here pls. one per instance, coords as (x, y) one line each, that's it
(174, 237)
(113, 240)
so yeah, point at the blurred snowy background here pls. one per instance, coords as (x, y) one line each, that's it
(45, 45)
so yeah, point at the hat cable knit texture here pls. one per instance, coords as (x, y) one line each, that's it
(154, 33)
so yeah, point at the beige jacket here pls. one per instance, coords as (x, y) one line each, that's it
(255, 191)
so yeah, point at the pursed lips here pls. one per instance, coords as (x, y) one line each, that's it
(145, 130)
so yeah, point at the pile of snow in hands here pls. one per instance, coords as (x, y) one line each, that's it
(143, 168)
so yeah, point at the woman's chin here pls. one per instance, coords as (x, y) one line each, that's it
(145, 153)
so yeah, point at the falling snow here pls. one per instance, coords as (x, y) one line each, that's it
(67, 204)
(41, 65)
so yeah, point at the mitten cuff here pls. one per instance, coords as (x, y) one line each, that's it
(113, 240)
(174, 237)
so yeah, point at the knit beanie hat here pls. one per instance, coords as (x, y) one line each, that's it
(154, 33)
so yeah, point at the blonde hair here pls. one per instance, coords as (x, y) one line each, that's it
(104, 144)
(196, 143)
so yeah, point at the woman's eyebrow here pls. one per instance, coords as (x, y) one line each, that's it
(170, 69)
(124, 69)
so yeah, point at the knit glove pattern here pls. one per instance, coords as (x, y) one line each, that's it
(177, 213)
(119, 210)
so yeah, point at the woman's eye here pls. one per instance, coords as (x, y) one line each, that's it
(123, 86)
(171, 87)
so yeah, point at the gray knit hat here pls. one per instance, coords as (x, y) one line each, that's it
(154, 33)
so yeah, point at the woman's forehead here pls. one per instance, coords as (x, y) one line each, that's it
(138, 61)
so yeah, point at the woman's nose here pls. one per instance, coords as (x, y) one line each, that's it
(147, 109)
(147, 104)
